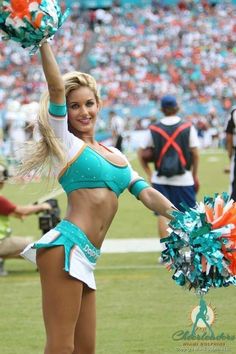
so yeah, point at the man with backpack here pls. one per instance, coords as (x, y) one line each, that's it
(172, 145)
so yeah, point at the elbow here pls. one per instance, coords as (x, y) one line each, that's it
(146, 196)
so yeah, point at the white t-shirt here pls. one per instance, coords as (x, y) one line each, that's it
(117, 125)
(180, 180)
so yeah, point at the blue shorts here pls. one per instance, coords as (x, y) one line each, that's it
(178, 194)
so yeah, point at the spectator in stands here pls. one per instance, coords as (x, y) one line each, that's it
(92, 19)
(11, 246)
(188, 51)
(175, 156)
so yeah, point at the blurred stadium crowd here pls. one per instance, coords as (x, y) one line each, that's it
(137, 55)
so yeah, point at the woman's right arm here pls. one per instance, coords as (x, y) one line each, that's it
(52, 74)
(57, 111)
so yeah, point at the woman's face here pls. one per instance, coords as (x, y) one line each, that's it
(82, 111)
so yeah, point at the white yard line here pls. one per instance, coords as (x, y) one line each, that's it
(131, 245)
(131, 267)
(212, 151)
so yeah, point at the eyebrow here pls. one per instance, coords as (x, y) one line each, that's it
(90, 99)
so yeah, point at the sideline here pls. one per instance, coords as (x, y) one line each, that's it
(131, 245)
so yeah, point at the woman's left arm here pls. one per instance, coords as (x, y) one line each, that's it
(157, 202)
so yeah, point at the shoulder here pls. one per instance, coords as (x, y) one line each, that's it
(116, 151)
(187, 125)
(193, 137)
(119, 153)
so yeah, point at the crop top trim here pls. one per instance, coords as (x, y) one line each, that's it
(96, 152)
(71, 161)
(88, 168)
(103, 157)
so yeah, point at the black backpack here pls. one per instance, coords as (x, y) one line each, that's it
(171, 153)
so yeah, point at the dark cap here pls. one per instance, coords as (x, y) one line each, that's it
(169, 101)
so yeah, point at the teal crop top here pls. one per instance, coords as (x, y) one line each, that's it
(86, 168)
(92, 170)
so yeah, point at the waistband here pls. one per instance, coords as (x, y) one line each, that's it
(80, 238)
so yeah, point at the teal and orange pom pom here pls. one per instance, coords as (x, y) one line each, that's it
(30, 22)
(201, 246)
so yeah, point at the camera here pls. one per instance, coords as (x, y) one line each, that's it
(3, 173)
(50, 218)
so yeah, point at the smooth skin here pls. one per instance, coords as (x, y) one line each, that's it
(69, 306)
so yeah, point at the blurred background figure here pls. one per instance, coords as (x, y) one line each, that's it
(11, 246)
(230, 146)
(117, 126)
(174, 143)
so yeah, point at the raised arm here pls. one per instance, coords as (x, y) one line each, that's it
(52, 74)
(57, 112)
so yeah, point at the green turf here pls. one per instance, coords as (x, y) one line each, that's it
(139, 307)
(125, 225)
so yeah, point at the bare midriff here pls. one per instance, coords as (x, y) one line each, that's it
(92, 210)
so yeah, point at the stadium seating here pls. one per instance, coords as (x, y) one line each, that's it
(136, 55)
(95, 3)
(109, 3)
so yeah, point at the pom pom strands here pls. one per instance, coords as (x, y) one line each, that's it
(30, 22)
(201, 246)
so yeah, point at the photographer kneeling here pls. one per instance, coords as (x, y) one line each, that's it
(11, 246)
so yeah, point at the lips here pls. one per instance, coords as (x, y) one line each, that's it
(84, 121)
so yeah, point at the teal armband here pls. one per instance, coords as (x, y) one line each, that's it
(57, 110)
(138, 186)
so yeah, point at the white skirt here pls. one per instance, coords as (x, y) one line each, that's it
(80, 254)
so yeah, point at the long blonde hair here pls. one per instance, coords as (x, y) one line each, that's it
(41, 156)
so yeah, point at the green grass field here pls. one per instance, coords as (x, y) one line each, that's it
(139, 307)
